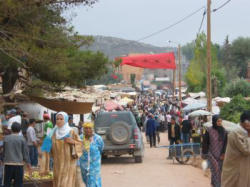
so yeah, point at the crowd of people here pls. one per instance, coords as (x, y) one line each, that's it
(228, 156)
(77, 149)
(157, 114)
(65, 149)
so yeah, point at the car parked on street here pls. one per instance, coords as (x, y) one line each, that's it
(120, 134)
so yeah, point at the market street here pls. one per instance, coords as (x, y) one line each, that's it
(155, 171)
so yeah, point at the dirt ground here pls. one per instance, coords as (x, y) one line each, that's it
(155, 171)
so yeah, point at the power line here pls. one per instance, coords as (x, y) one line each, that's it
(224, 4)
(172, 25)
(202, 21)
(183, 19)
(214, 10)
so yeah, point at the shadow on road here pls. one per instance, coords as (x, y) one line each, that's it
(119, 160)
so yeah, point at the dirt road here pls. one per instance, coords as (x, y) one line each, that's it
(155, 171)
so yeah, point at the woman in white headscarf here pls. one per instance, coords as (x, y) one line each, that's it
(65, 146)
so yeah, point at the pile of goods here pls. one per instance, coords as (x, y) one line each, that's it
(37, 176)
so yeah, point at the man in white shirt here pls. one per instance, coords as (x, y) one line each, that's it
(13, 117)
(168, 118)
(162, 118)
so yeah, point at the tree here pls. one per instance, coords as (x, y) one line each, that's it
(241, 54)
(226, 58)
(132, 80)
(188, 50)
(239, 86)
(196, 73)
(234, 109)
(36, 37)
(107, 78)
(235, 56)
(87, 65)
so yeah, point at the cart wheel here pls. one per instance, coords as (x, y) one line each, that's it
(187, 155)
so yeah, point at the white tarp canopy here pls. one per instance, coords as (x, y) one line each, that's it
(222, 99)
(189, 100)
(195, 106)
(200, 113)
(132, 93)
(196, 95)
(228, 125)
(162, 79)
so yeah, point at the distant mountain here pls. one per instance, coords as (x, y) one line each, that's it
(114, 47)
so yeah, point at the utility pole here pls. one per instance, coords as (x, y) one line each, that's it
(179, 70)
(209, 94)
(174, 78)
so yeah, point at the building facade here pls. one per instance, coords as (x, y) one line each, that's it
(127, 71)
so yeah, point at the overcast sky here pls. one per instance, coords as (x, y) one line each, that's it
(135, 19)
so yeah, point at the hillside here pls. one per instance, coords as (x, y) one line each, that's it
(114, 47)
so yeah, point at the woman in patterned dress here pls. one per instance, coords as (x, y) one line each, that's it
(90, 161)
(214, 148)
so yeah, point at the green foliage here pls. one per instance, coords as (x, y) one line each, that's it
(241, 54)
(235, 56)
(106, 78)
(87, 65)
(35, 36)
(234, 109)
(196, 73)
(239, 86)
(188, 50)
(226, 59)
(218, 81)
(117, 63)
(132, 79)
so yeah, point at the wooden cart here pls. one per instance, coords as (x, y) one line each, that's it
(38, 183)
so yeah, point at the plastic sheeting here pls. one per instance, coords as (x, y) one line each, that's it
(197, 95)
(229, 126)
(195, 106)
(200, 113)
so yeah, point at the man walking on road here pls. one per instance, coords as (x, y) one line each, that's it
(235, 171)
(32, 142)
(173, 135)
(151, 130)
(158, 126)
(186, 130)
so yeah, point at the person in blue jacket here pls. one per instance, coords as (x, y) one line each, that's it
(151, 130)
